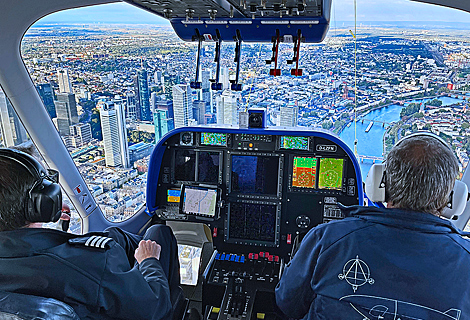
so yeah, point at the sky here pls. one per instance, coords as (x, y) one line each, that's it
(342, 10)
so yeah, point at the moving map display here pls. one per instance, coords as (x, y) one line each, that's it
(200, 201)
(294, 143)
(330, 174)
(213, 139)
(304, 170)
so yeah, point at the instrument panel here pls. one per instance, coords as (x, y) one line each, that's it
(254, 188)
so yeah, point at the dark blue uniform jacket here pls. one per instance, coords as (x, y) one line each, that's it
(97, 282)
(379, 264)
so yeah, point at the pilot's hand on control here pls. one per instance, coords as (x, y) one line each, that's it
(147, 249)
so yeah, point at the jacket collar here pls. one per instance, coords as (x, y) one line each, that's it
(28, 241)
(419, 221)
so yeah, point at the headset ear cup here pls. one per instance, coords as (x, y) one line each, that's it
(45, 203)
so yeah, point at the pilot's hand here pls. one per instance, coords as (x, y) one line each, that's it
(147, 249)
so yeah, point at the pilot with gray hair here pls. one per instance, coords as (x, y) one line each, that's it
(400, 262)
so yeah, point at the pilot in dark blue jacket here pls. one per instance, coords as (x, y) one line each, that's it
(97, 273)
(401, 262)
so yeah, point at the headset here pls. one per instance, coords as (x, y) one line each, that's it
(44, 199)
(375, 184)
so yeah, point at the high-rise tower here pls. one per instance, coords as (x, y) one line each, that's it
(66, 109)
(63, 78)
(113, 127)
(13, 132)
(47, 96)
(181, 105)
(142, 96)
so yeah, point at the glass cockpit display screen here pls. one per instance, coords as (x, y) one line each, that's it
(255, 174)
(213, 139)
(252, 222)
(199, 201)
(330, 174)
(208, 165)
(185, 165)
(294, 143)
(304, 172)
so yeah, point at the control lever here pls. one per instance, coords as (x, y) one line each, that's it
(296, 72)
(215, 82)
(196, 84)
(276, 40)
(235, 86)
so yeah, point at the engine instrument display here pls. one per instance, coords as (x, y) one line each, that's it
(255, 174)
(304, 170)
(199, 201)
(213, 139)
(252, 222)
(294, 143)
(173, 195)
(330, 174)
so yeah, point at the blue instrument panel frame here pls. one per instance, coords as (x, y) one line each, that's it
(157, 155)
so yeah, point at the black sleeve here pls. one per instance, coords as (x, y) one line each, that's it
(138, 293)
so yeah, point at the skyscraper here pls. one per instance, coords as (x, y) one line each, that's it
(289, 115)
(131, 106)
(153, 102)
(205, 92)
(66, 109)
(63, 78)
(227, 108)
(181, 105)
(199, 110)
(162, 123)
(47, 96)
(81, 133)
(13, 132)
(224, 78)
(157, 77)
(143, 96)
(113, 127)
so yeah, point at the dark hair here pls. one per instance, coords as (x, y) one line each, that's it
(15, 183)
(421, 173)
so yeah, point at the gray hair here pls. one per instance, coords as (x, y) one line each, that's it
(420, 173)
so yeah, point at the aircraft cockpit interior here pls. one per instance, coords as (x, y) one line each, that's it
(259, 191)
(239, 198)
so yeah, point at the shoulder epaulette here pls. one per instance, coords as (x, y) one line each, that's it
(94, 241)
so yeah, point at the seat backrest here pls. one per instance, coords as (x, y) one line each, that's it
(16, 306)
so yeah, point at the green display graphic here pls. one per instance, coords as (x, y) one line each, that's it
(330, 175)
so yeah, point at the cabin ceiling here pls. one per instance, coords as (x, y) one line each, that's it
(456, 4)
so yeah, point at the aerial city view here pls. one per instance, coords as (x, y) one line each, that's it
(113, 90)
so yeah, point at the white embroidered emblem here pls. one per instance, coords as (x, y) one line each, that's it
(357, 273)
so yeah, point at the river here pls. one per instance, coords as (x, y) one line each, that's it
(371, 143)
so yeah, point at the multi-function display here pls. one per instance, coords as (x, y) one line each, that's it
(330, 174)
(252, 222)
(304, 172)
(255, 174)
(294, 143)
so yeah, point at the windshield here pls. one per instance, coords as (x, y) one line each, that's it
(115, 79)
